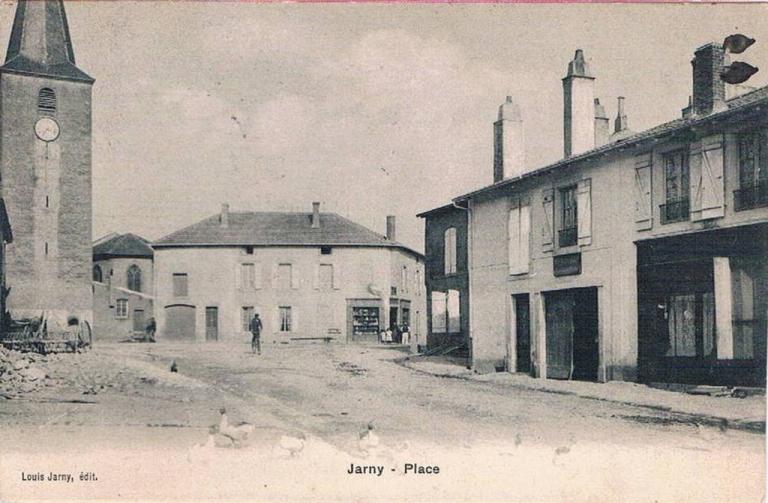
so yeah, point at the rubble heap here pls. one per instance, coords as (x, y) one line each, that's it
(22, 372)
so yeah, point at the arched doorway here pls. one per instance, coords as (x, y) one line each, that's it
(179, 322)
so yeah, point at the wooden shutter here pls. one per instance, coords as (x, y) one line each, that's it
(547, 224)
(316, 278)
(519, 230)
(336, 275)
(584, 209)
(295, 280)
(294, 319)
(525, 237)
(643, 198)
(257, 273)
(513, 238)
(239, 276)
(706, 172)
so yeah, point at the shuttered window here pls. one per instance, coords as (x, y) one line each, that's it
(449, 245)
(706, 179)
(286, 320)
(246, 314)
(180, 286)
(46, 101)
(518, 237)
(326, 276)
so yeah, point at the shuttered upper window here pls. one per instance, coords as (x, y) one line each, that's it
(46, 101)
(449, 250)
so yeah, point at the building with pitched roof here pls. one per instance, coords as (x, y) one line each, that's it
(45, 167)
(637, 257)
(308, 275)
(122, 286)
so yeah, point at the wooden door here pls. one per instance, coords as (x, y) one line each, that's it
(138, 320)
(211, 323)
(559, 327)
(179, 322)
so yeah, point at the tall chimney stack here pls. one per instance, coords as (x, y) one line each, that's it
(579, 107)
(316, 215)
(224, 218)
(391, 227)
(509, 143)
(708, 87)
(602, 125)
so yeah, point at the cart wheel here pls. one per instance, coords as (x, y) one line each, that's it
(85, 335)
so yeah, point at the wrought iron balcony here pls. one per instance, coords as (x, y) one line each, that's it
(567, 237)
(677, 210)
(751, 197)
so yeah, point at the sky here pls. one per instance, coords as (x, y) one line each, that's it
(372, 110)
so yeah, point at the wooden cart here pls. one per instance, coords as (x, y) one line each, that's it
(33, 335)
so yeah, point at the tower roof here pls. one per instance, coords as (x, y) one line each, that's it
(40, 43)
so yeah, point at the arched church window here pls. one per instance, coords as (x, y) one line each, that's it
(97, 274)
(134, 278)
(46, 101)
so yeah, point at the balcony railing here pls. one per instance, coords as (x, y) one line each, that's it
(567, 237)
(751, 197)
(677, 210)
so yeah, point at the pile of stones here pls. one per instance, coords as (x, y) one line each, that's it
(21, 372)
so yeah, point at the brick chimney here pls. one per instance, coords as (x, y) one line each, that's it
(391, 227)
(579, 107)
(708, 88)
(602, 125)
(316, 215)
(224, 217)
(508, 142)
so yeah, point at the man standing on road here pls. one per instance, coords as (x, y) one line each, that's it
(256, 332)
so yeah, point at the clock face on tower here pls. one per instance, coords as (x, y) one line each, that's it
(47, 129)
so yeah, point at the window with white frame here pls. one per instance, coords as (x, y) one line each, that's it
(446, 312)
(439, 310)
(121, 308)
(246, 315)
(449, 253)
(285, 319)
(248, 276)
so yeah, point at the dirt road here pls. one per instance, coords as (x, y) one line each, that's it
(489, 442)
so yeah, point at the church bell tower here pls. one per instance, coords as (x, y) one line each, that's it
(45, 167)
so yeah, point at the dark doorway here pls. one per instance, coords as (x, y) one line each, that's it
(211, 323)
(585, 335)
(522, 333)
(572, 334)
(393, 318)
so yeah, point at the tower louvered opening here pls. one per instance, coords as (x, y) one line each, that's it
(46, 101)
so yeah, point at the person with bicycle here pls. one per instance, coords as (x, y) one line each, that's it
(256, 326)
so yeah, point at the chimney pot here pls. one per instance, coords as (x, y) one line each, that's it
(391, 227)
(315, 215)
(224, 218)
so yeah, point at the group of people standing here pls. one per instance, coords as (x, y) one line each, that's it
(398, 335)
